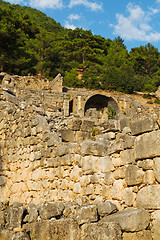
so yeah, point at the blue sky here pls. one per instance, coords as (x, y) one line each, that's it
(137, 22)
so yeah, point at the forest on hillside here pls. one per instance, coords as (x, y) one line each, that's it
(32, 43)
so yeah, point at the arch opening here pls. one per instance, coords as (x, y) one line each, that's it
(104, 106)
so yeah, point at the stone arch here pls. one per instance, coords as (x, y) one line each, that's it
(100, 102)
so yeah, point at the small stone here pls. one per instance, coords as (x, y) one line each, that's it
(129, 196)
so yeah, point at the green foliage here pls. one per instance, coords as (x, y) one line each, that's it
(71, 79)
(147, 96)
(31, 43)
(96, 131)
(157, 101)
(111, 113)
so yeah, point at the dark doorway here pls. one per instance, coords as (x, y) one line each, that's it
(100, 102)
(70, 107)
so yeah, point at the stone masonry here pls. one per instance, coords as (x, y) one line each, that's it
(75, 178)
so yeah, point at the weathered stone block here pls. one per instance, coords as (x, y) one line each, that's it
(122, 136)
(130, 219)
(53, 139)
(65, 229)
(106, 192)
(142, 235)
(49, 210)
(155, 226)
(40, 123)
(147, 145)
(129, 143)
(2, 125)
(2, 180)
(146, 164)
(157, 168)
(2, 115)
(6, 235)
(127, 156)
(75, 124)
(10, 98)
(20, 236)
(67, 135)
(75, 173)
(61, 150)
(149, 177)
(90, 189)
(87, 125)
(116, 161)
(95, 178)
(108, 178)
(77, 188)
(84, 180)
(106, 136)
(66, 160)
(124, 122)
(115, 147)
(106, 208)
(129, 196)
(119, 173)
(51, 162)
(134, 175)
(90, 164)
(117, 189)
(14, 217)
(94, 148)
(86, 214)
(149, 197)
(105, 164)
(111, 125)
(82, 136)
(101, 231)
(32, 213)
(143, 125)
(2, 220)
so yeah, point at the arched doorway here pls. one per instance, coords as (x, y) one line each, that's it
(103, 105)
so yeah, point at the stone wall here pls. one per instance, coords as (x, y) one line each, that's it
(37, 166)
(52, 97)
(47, 157)
(57, 221)
(34, 82)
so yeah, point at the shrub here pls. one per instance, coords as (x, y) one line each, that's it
(157, 101)
(96, 131)
(111, 113)
(147, 96)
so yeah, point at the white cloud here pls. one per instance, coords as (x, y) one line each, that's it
(137, 25)
(154, 10)
(92, 5)
(74, 17)
(69, 26)
(43, 4)
(15, 1)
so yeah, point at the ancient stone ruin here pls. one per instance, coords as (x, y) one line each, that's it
(77, 164)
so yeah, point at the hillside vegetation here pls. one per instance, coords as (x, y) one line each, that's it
(32, 43)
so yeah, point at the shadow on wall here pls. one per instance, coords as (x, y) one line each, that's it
(100, 102)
